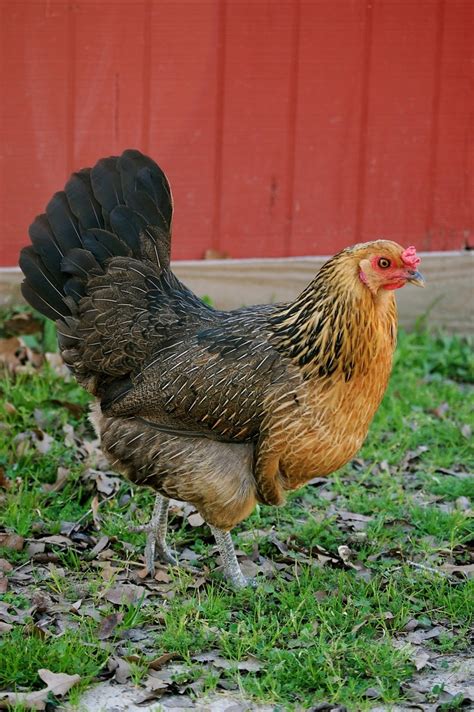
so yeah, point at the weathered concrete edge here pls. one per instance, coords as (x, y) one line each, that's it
(447, 301)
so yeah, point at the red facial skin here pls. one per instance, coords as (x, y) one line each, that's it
(394, 277)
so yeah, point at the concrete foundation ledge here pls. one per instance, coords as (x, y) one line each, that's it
(447, 302)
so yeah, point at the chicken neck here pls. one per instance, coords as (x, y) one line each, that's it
(334, 325)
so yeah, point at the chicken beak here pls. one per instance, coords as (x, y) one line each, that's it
(415, 278)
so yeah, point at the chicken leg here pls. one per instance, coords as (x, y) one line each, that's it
(156, 544)
(156, 535)
(232, 570)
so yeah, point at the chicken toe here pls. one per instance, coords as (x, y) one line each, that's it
(156, 536)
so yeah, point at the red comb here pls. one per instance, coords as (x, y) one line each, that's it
(410, 257)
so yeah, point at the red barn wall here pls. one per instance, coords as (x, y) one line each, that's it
(287, 127)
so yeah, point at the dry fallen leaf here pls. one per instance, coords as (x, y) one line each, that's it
(250, 664)
(421, 659)
(35, 547)
(121, 668)
(57, 364)
(125, 593)
(70, 437)
(463, 503)
(195, 520)
(99, 547)
(74, 408)
(105, 483)
(155, 684)
(42, 441)
(440, 410)
(12, 353)
(354, 520)
(57, 684)
(41, 601)
(4, 481)
(61, 479)
(5, 565)
(162, 576)
(108, 571)
(22, 323)
(467, 569)
(108, 625)
(455, 473)
(158, 663)
(95, 511)
(56, 540)
(345, 553)
(412, 456)
(11, 541)
(372, 693)
(418, 637)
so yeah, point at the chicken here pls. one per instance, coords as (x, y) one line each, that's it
(219, 409)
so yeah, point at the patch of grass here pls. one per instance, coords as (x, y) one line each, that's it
(331, 646)
(450, 488)
(23, 653)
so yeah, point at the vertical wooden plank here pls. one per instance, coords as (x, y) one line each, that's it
(401, 88)
(451, 219)
(219, 125)
(259, 41)
(110, 41)
(328, 125)
(183, 118)
(33, 84)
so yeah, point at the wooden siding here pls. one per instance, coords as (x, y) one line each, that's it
(287, 127)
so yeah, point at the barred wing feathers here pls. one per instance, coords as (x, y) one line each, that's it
(208, 376)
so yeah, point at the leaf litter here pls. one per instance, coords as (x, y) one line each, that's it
(57, 684)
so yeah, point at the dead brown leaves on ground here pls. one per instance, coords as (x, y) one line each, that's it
(57, 684)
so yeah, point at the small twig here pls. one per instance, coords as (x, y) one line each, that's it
(440, 572)
(20, 566)
(427, 568)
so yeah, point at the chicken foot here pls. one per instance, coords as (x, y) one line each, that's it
(232, 570)
(156, 544)
(156, 536)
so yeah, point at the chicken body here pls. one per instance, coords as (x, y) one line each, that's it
(220, 409)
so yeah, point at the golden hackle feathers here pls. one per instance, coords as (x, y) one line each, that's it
(332, 326)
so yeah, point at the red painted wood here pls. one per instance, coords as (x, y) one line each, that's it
(260, 42)
(34, 122)
(402, 84)
(287, 127)
(106, 65)
(183, 115)
(452, 202)
(328, 126)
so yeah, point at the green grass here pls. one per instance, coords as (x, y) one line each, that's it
(319, 633)
(22, 654)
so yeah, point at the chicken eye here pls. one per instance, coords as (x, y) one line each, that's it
(384, 263)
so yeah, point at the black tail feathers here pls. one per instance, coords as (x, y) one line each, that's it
(120, 207)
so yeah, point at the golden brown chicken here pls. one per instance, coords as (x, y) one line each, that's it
(220, 409)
